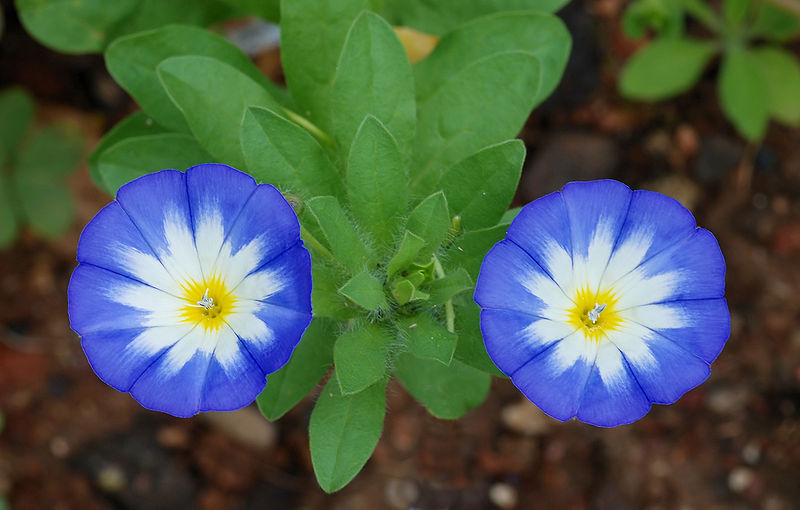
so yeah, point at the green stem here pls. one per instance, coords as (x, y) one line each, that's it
(449, 312)
(315, 245)
(704, 14)
(309, 126)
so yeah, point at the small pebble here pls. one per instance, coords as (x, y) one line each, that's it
(246, 426)
(740, 479)
(751, 453)
(401, 493)
(59, 447)
(525, 418)
(111, 479)
(503, 495)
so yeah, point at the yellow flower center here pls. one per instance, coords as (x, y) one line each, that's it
(208, 302)
(595, 312)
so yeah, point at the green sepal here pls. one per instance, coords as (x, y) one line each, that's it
(366, 291)
(407, 252)
(404, 291)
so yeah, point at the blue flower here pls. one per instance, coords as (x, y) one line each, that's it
(602, 301)
(191, 288)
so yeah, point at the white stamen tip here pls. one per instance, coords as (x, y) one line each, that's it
(206, 302)
(594, 313)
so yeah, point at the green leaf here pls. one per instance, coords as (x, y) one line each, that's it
(151, 14)
(41, 166)
(133, 61)
(213, 97)
(454, 283)
(282, 153)
(537, 34)
(312, 36)
(663, 16)
(442, 16)
(46, 204)
(73, 26)
(743, 93)
(309, 362)
(665, 68)
(325, 298)
(360, 357)
(735, 11)
(471, 349)
(775, 23)
(427, 339)
(448, 392)
(52, 153)
(135, 125)
(339, 233)
(468, 250)
(406, 253)
(344, 430)
(522, 54)
(269, 10)
(430, 220)
(140, 155)
(480, 187)
(366, 291)
(16, 116)
(376, 181)
(468, 112)
(509, 216)
(373, 78)
(782, 73)
(8, 219)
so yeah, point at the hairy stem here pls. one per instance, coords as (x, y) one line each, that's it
(449, 312)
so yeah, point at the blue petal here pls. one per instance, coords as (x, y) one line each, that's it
(284, 281)
(269, 219)
(233, 378)
(269, 332)
(177, 392)
(158, 205)
(96, 302)
(109, 240)
(702, 328)
(512, 339)
(555, 389)
(112, 359)
(612, 395)
(542, 229)
(690, 269)
(216, 194)
(664, 370)
(597, 211)
(510, 279)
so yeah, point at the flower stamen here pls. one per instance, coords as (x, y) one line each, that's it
(594, 313)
